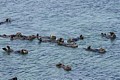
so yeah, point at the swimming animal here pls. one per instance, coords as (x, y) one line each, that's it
(66, 68)
(47, 39)
(15, 78)
(72, 45)
(60, 65)
(22, 51)
(110, 35)
(101, 50)
(75, 39)
(8, 49)
(8, 20)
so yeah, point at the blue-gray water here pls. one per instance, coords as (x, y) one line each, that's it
(63, 18)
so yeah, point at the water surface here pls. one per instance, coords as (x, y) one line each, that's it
(63, 18)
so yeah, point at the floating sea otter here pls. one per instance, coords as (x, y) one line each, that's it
(8, 20)
(110, 35)
(9, 50)
(101, 50)
(15, 78)
(66, 68)
(75, 39)
(50, 38)
(22, 51)
(61, 42)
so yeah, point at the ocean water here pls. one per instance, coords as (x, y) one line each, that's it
(67, 19)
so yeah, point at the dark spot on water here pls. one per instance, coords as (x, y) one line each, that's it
(117, 79)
